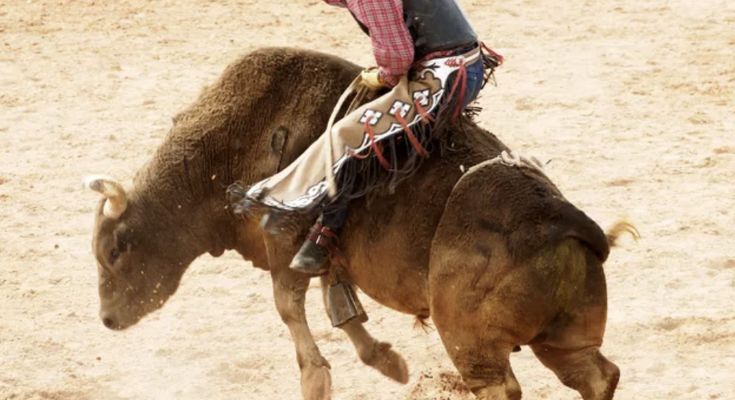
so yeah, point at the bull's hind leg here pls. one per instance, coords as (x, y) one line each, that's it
(570, 344)
(483, 360)
(374, 353)
(483, 303)
(478, 343)
(481, 310)
(583, 369)
(289, 288)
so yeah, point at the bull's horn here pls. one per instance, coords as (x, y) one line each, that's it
(117, 200)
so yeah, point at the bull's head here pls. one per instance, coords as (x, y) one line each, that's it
(140, 256)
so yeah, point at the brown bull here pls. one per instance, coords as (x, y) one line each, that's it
(495, 256)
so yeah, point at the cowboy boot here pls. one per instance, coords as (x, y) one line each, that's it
(313, 257)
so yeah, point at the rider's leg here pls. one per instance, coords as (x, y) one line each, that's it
(386, 115)
(313, 257)
(475, 78)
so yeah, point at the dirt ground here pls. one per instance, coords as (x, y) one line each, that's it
(632, 100)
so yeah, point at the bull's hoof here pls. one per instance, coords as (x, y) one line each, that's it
(388, 362)
(316, 383)
(393, 366)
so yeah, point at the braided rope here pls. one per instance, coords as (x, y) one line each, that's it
(511, 159)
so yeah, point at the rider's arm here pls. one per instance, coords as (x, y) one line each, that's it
(392, 43)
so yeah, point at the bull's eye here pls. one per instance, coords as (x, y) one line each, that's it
(114, 254)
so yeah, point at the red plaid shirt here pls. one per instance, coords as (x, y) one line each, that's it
(392, 44)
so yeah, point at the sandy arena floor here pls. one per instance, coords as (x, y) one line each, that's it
(633, 100)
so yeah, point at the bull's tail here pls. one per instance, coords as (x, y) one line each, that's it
(618, 228)
(587, 231)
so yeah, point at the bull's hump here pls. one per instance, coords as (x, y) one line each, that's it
(274, 58)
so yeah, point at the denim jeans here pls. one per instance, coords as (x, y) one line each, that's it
(475, 77)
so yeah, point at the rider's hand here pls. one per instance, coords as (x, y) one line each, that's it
(371, 78)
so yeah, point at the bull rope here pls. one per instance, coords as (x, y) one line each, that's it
(511, 159)
(329, 172)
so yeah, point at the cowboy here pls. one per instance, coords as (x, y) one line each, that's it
(431, 66)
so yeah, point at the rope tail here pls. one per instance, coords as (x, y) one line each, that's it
(329, 172)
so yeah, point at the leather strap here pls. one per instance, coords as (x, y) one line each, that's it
(325, 236)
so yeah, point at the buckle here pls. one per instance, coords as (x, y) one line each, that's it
(322, 241)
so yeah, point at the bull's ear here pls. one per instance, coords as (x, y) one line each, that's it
(117, 200)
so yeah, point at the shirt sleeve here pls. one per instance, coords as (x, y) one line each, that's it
(392, 43)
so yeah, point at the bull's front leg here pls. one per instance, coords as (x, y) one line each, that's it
(289, 288)
(372, 352)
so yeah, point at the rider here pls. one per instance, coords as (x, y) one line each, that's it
(430, 63)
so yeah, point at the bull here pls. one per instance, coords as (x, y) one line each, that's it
(494, 254)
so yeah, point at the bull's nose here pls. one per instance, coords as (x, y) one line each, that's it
(110, 323)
